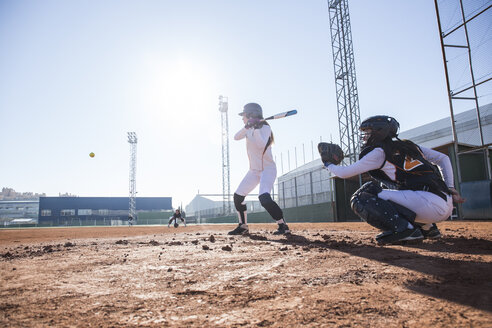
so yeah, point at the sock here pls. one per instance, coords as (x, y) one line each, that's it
(410, 226)
(280, 221)
(427, 226)
(243, 217)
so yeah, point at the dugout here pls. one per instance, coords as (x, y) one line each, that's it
(84, 211)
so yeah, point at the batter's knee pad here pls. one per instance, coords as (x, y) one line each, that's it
(238, 202)
(379, 213)
(272, 208)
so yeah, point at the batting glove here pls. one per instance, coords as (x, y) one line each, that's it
(252, 123)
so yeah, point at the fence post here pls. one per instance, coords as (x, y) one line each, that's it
(311, 185)
(283, 192)
(295, 186)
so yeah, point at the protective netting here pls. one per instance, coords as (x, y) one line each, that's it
(468, 59)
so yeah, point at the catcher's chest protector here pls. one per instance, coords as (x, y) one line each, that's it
(410, 173)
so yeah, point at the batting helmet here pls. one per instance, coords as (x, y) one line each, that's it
(252, 110)
(378, 128)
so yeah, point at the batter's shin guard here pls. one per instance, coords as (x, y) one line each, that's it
(272, 208)
(240, 208)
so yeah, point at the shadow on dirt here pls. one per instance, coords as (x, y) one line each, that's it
(462, 245)
(465, 282)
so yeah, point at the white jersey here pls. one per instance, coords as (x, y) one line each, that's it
(256, 140)
(374, 160)
(429, 207)
(262, 168)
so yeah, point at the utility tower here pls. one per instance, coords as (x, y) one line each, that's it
(345, 81)
(226, 189)
(132, 212)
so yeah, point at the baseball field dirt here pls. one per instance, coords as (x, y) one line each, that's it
(325, 275)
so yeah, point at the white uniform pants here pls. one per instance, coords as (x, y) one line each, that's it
(265, 178)
(429, 207)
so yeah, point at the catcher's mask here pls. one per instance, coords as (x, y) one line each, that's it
(378, 128)
(252, 110)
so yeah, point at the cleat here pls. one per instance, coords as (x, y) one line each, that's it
(283, 229)
(383, 234)
(241, 229)
(397, 237)
(432, 233)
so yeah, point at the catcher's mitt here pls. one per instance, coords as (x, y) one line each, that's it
(330, 153)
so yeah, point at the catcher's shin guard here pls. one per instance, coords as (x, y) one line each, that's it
(272, 208)
(241, 208)
(379, 213)
(404, 212)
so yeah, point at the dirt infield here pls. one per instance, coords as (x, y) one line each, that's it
(325, 275)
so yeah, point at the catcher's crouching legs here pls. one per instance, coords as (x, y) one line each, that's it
(393, 219)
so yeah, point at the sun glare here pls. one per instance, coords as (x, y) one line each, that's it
(177, 90)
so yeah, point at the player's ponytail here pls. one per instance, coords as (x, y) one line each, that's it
(270, 141)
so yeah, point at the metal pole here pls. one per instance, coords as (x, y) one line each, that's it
(486, 157)
(282, 162)
(450, 99)
(304, 153)
(295, 185)
(288, 157)
(311, 185)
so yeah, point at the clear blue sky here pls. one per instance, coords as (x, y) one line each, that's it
(76, 76)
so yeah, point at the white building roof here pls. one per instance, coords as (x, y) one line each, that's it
(439, 133)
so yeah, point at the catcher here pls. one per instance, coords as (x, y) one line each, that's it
(415, 194)
(175, 217)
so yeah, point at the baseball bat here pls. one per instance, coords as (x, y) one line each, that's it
(282, 115)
